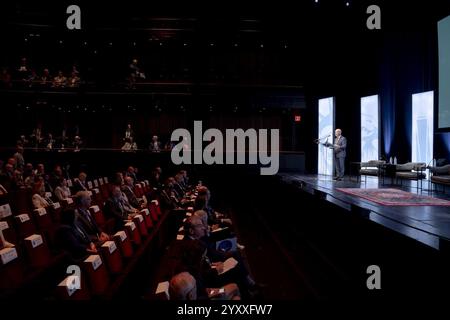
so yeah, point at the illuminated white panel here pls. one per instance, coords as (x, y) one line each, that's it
(369, 128)
(422, 126)
(326, 129)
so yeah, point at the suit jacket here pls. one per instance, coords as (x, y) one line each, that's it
(87, 221)
(187, 255)
(166, 201)
(131, 196)
(73, 240)
(340, 151)
(114, 210)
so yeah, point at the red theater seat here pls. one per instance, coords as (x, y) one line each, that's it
(55, 211)
(96, 273)
(140, 224)
(98, 215)
(67, 202)
(37, 250)
(124, 244)
(146, 186)
(112, 257)
(25, 226)
(155, 210)
(104, 189)
(42, 218)
(97, 197)
(147, 218)
(133, 233)
(138, 190)
(22, 201)
(11, 269)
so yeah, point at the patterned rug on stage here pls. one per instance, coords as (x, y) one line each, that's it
(395, 197)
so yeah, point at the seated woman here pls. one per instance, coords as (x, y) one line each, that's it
(72, 237)
(62, 191)
(39, 199)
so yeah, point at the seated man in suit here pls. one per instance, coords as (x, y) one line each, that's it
(72, 238)
(215, 219)
(80, 183)
(128, 189)
(118, 207)
(168, 196)
(193, 254)
(83, 202)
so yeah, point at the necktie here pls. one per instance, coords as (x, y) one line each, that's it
(87, 216)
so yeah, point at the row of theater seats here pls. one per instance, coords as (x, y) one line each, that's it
(34, 253)
(115, 257)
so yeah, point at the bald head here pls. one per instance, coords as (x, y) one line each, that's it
(338, 132)
(183, 287)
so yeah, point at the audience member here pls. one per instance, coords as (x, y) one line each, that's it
(60, 80)
(62, 191)
(18, 157)
(155, 145)
(118, 208)
(39, 198)
(83, 203)
(80, 183)
(72, 237)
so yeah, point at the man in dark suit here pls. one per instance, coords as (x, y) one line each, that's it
(73, 238)
(83, 200)
(118, 207)
(339, 147)
(128, 189)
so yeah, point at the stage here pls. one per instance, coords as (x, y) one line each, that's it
(428, 224)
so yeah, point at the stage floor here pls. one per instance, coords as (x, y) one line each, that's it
(427, 224)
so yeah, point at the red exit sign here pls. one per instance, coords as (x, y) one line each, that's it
(297, 118)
